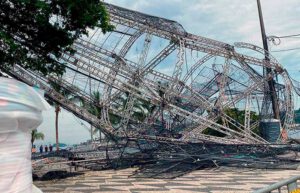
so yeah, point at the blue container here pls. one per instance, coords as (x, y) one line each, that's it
(270, 129)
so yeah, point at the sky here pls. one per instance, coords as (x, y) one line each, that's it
(228, 21)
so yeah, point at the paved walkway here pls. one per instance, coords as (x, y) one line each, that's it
(225, 180)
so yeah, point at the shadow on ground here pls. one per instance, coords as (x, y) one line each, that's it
(54, 175)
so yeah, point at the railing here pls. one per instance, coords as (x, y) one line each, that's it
(291, 184)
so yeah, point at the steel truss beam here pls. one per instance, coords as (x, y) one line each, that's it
(175, 106)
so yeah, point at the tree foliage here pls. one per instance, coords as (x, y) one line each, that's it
(35, 135)
(297, 116)
(34, 33)
(238, 116)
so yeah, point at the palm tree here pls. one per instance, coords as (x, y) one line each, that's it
(35, 135)
(141, 109)
(57, 110)
(58, 88)
(94, 109)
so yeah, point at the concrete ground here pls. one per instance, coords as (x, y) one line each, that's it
(225, 180)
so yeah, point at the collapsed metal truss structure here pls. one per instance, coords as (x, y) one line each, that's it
(158, 82)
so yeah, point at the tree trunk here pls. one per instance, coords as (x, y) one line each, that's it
(32, 139)
(100, 136)
(92, 134)
(57, 110)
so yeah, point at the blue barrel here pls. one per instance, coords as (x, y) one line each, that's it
(270, 129)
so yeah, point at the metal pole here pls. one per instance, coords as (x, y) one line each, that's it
(267, 70)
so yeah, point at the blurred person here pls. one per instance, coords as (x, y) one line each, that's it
(50, 148)
(21, 109)
(41, 149)
(33, 150)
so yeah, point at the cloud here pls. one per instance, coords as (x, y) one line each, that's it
(70, 129)
(229, 20)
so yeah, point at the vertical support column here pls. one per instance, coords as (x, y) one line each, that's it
(178, 67)
(247, 114)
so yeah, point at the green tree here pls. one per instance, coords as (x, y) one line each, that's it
(93, 108)
(297, 116)
(35, 135)
(141, 108)
(238, 116)
(34, 33)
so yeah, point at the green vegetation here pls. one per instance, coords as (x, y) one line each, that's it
(34, 33)
(35, 135)
(297, 116)
(141, 108)
(237, 115)
(94, 109)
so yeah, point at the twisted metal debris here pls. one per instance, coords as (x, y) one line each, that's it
(160, 83)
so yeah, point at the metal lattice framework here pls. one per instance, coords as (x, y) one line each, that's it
(161, 83)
